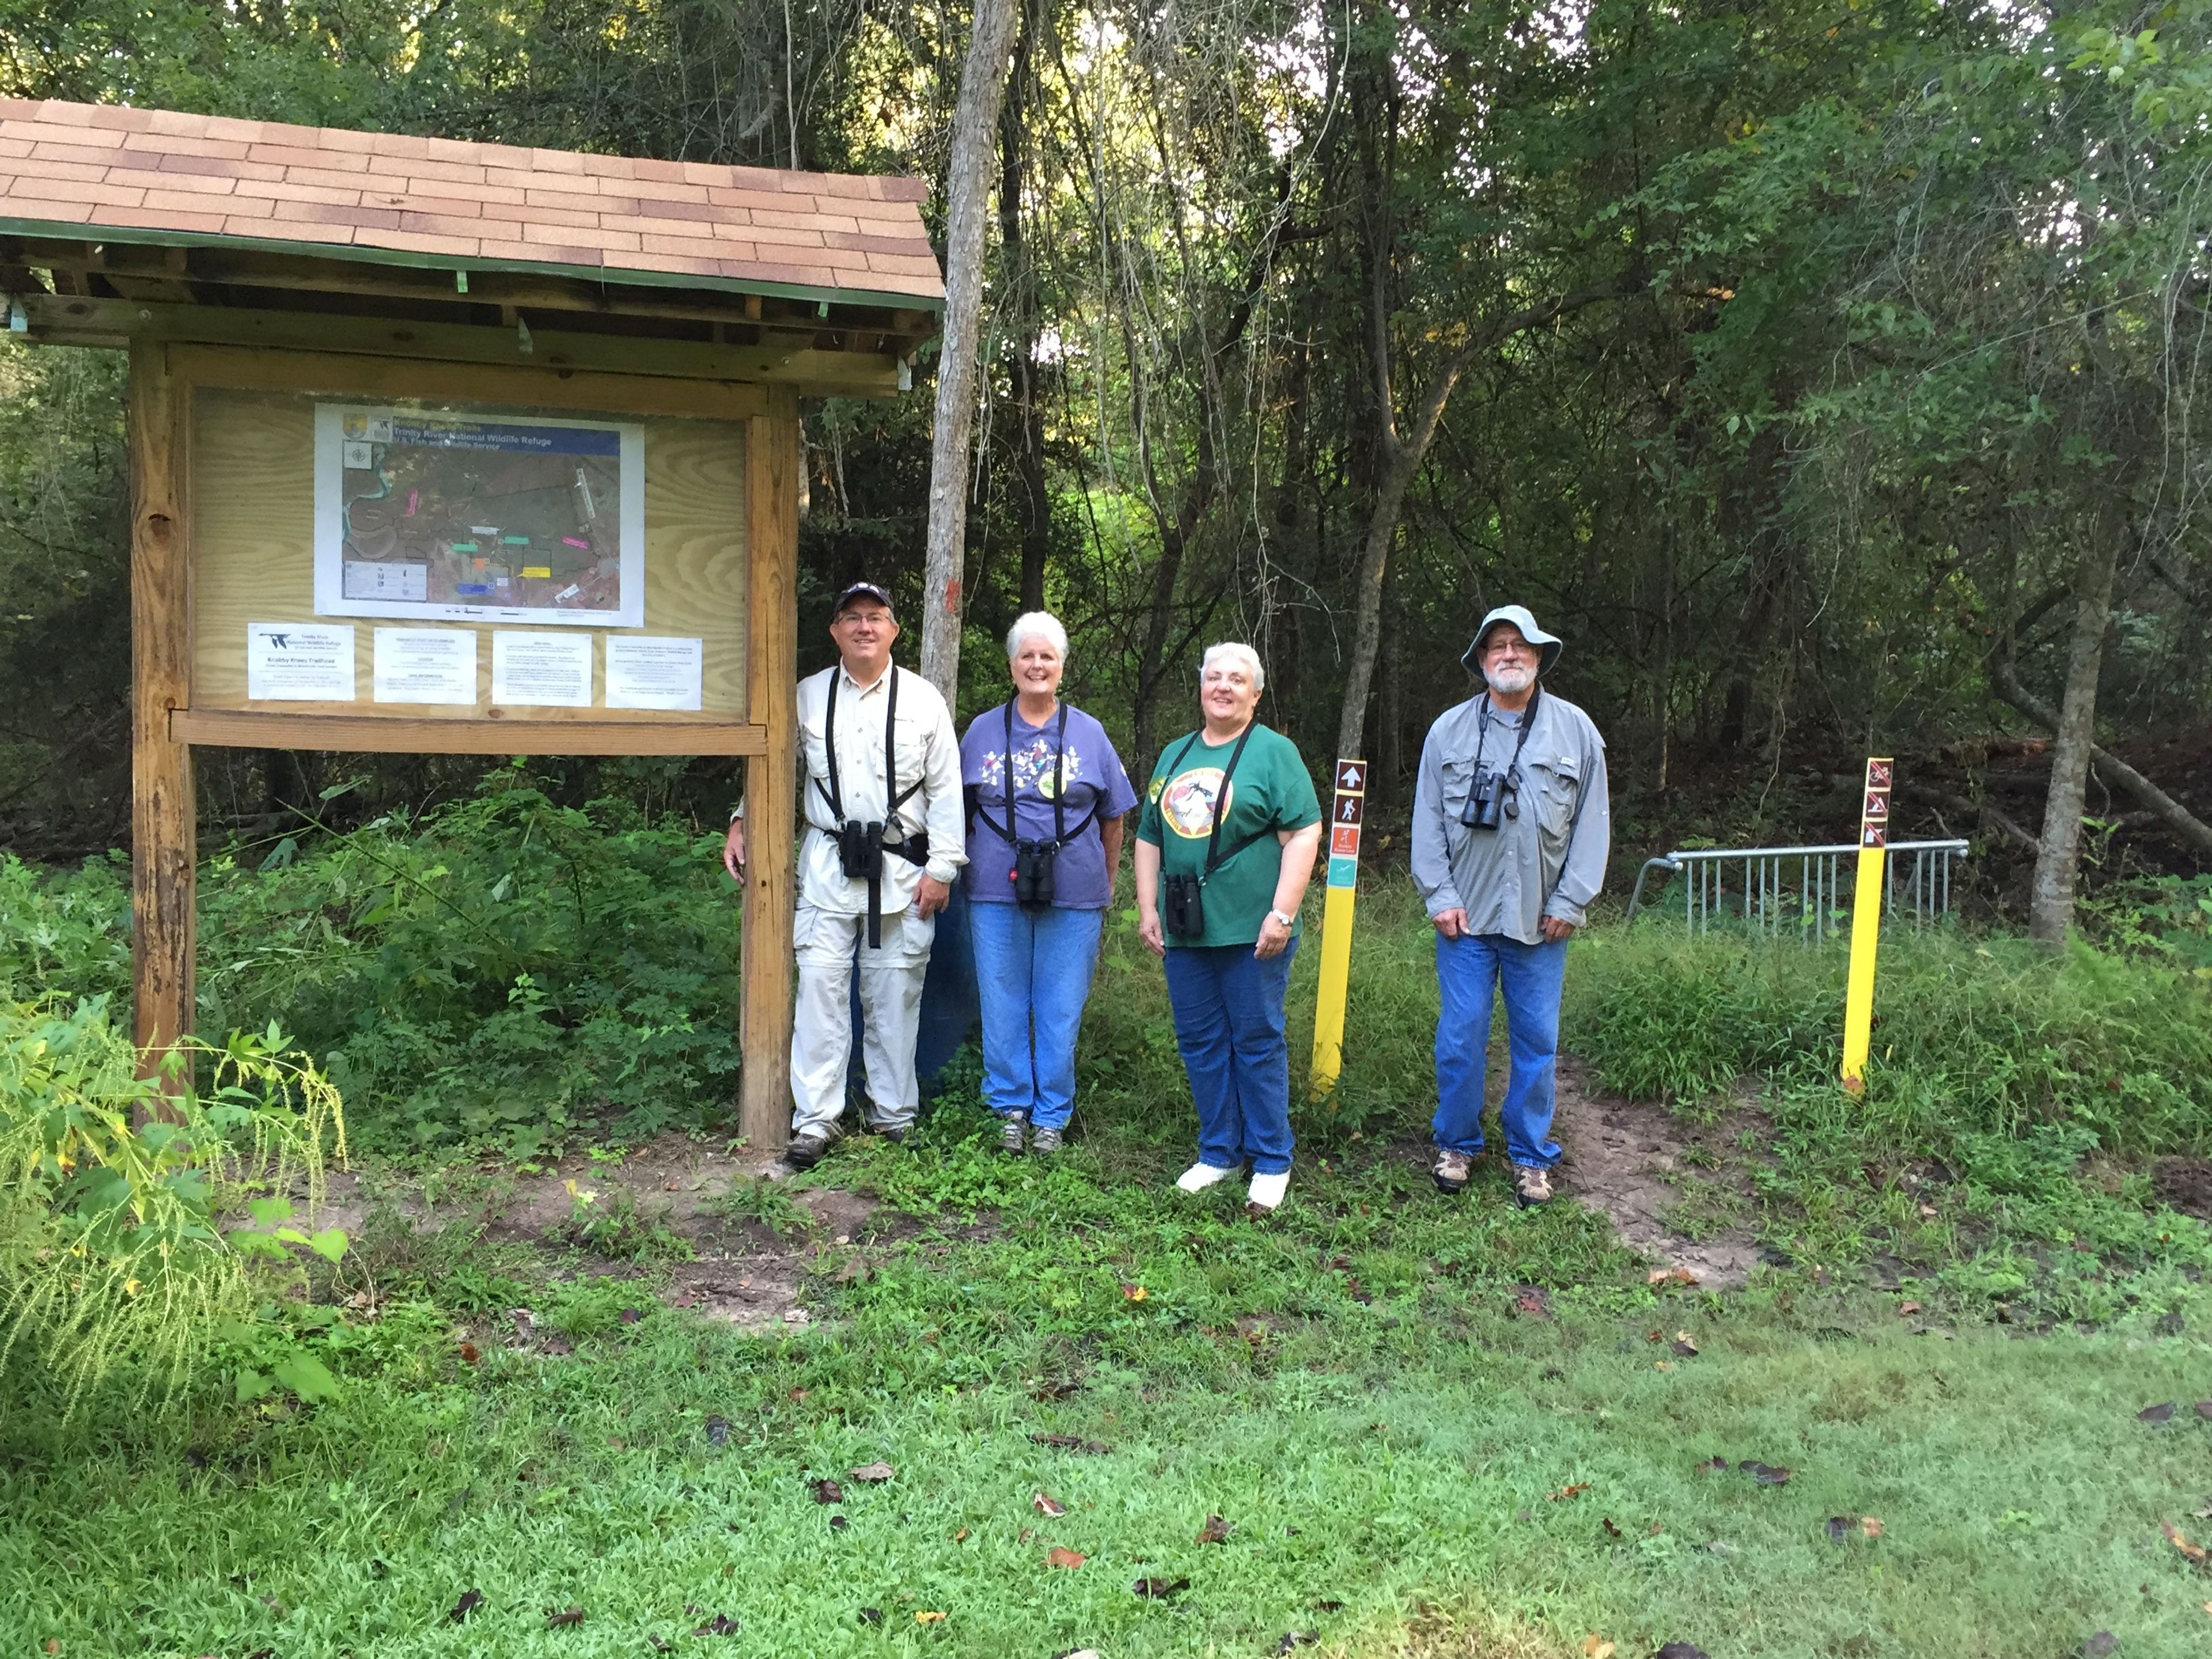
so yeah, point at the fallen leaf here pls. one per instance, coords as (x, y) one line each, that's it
(2179, 1539)
(2203, 1408)
(1049, 1506)
(1060, 1557)
(1215, 1531)
(1906, 1309)
(616, 1441)
(929, 1619)
(1661, 1276)
(826, 1491)
(1596, 1647)
(1611, 1531)
(1134, 1292)
(1710, 1466)
(1331, 1605)
(1870, 1526)
(1073, 1443)
(629, 1316)
(718, 1431)
(960, 1537)
(1684, 1345)
(839, 1523)
(2102, 1645)
(872, 1472)
(1680, 1650)
(1158, 1589)
(469, 1354)
(798, 1394)
(1662, 1364)
(1839, 1528)
(1534, 1301)
(720, 1625)
(1566, 1492)
(1767, 1474)
(567, 1618)
(2160, 1413)
(470, 1601)
(872, 1615)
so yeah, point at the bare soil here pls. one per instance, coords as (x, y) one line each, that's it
(1675, 1191)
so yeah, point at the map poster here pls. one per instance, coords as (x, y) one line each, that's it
(432, 516)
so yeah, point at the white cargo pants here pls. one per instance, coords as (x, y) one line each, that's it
(890, 1013)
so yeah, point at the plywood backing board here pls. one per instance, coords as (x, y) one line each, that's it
(252, 517)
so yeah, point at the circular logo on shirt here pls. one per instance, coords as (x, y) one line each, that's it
(1186, 804)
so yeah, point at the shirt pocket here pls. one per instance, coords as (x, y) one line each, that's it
(911, 746)
(1555, 788)
(1457, 772)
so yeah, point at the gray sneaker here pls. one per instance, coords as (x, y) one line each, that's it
(1451, 1170)
(1531, 1186)
(1045, 1140)
(1012, 1128)
(806, 1149)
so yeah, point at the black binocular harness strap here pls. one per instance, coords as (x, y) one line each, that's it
(835, 797)
(1527, 725)
(1060, 831)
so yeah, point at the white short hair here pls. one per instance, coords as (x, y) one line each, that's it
(1038, 624)
(1244, 653)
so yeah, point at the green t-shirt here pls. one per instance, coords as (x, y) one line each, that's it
(1271, 790)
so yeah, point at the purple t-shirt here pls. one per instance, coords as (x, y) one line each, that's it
(1092, 776)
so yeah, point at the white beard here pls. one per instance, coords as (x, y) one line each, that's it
(1510, 681)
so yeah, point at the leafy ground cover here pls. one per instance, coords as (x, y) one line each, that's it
(1424, 1427)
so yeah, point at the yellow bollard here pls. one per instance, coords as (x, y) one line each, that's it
(1871, 888)
(1347, 810)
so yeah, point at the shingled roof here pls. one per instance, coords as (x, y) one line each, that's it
(156, 176)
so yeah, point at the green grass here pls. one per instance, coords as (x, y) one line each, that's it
(1377, 1390)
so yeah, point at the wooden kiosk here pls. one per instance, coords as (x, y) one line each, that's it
(453, 447)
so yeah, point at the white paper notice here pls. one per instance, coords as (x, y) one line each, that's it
(295, 663)
(426, 664)
(644, 671)
(551, 671)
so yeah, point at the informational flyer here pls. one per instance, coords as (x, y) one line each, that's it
(426, 664)
(299, 662)
(430, 515)
(544, 670)
(647, 671)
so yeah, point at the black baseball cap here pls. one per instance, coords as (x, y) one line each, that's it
(862, 591)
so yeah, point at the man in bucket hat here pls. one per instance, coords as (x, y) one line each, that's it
(1511, 829)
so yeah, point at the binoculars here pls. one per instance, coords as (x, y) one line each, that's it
(1182, 905)
(861, 850)
(1033, 873)
(1491, 801)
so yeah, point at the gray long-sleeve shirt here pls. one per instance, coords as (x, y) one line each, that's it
(1503, 877)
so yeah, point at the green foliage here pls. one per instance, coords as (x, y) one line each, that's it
(116, 1249)
(764, 1202)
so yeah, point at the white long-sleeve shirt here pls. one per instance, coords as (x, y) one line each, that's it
(927, 750)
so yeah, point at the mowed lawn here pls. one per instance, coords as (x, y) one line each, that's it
(1415, 1440)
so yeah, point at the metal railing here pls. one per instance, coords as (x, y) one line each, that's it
(1804, 888)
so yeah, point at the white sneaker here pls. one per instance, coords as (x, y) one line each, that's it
(1267, 1190)
(1200, 1177)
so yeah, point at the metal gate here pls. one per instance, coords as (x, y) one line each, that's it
(1805, 889)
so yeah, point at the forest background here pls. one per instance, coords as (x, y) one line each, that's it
(1824, 371)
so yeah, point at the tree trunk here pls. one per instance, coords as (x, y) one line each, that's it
(1020, 280)
(2050, 895)
(967, 190)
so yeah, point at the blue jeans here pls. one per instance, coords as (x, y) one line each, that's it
(1229, 1024)
(1469, 972)
(1032, 976)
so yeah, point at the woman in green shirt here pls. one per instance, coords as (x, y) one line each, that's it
(1224, 848)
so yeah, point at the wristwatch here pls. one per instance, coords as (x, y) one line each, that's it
(1287, 921)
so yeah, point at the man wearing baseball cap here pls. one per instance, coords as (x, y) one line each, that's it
(885, 838)
(1511, 830)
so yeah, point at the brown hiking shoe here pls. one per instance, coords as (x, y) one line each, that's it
(1531, 1186)
(1012, 1128)
(1451, 1170)
(806, 1150)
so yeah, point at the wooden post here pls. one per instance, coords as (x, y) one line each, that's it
(163, 825)
(771, 786)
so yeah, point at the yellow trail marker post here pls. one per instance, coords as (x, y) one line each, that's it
(1347, 809)
(1871, 888)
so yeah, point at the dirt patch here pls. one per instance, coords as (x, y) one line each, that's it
(1677, 1192)
(723, 1235)
(2184, 1183)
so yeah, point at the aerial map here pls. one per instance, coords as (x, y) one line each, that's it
(443, 516)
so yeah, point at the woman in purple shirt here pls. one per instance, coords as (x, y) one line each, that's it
(1046, 799)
